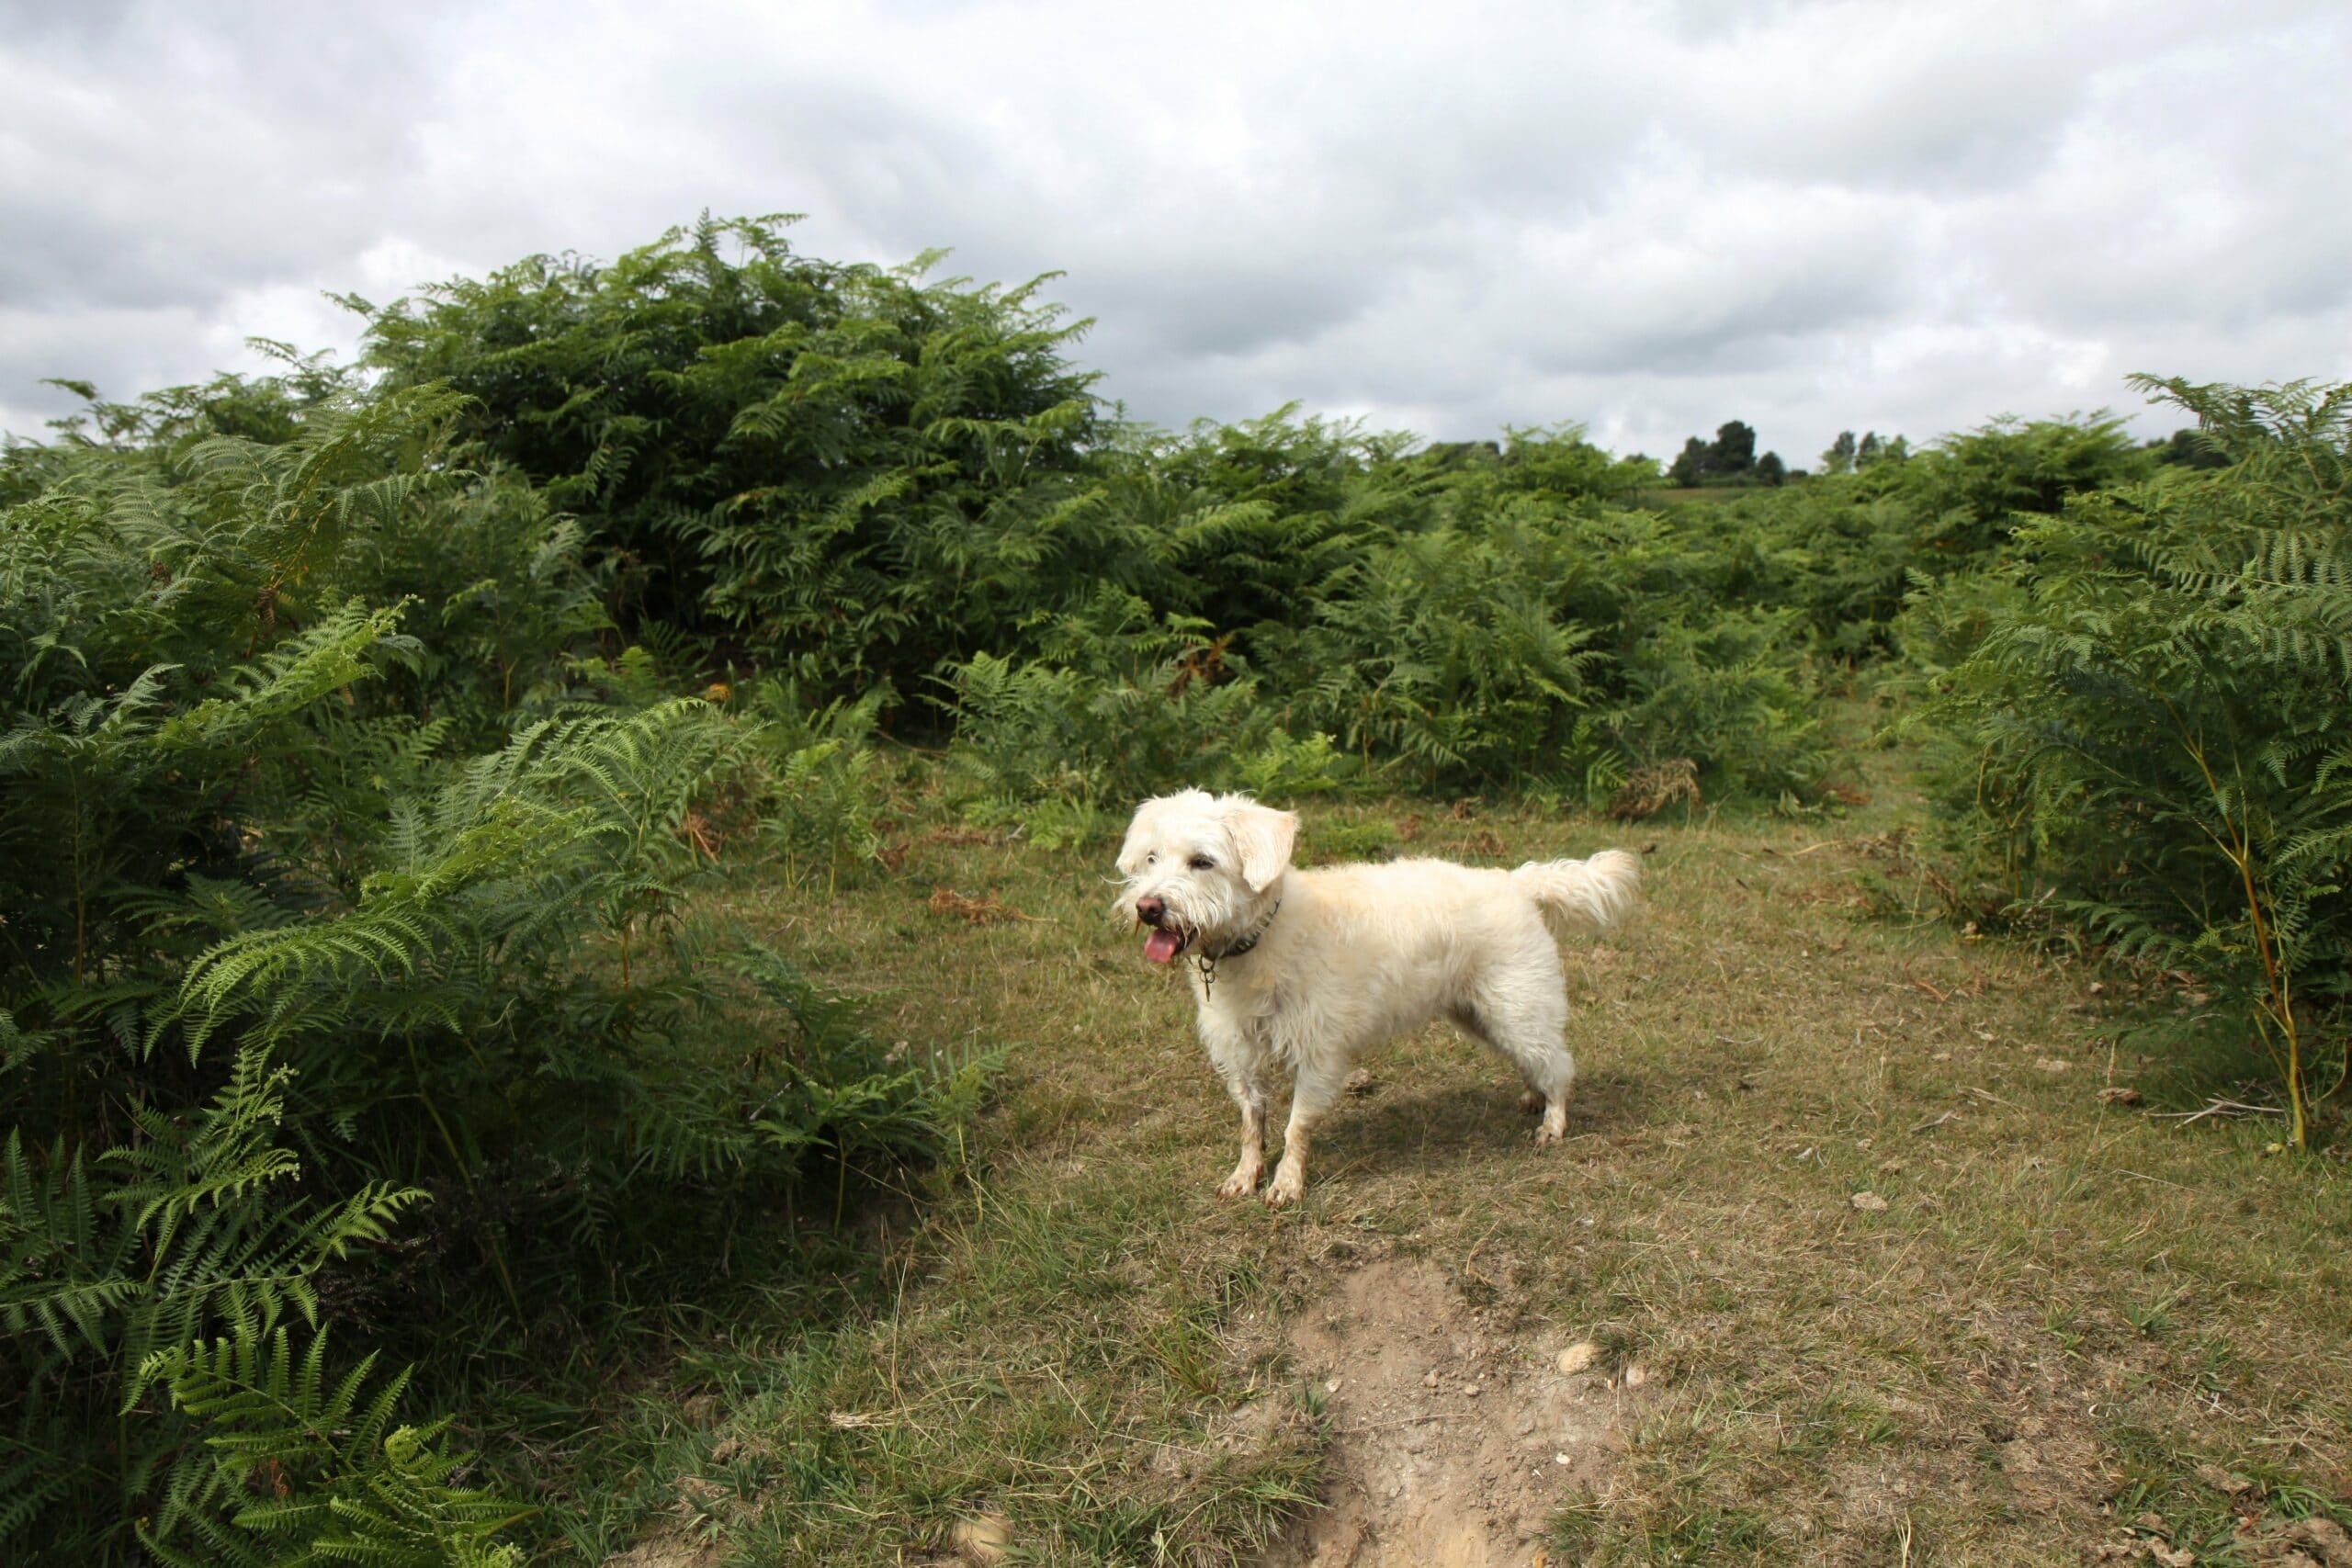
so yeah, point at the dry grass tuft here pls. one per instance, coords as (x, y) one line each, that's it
(985, 911)
(1651, 790)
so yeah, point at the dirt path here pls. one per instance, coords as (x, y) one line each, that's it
(1450, 1441)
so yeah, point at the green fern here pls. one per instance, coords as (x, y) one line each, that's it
(305, 1469)
(2158, 741)
(310, 903)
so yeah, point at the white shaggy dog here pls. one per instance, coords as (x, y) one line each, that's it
(1306, 968)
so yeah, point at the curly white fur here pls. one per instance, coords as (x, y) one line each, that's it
(1348, 956)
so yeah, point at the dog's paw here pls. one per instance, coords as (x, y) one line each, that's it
(1554, 1130)
(1241, 1183)
(1289, 1185)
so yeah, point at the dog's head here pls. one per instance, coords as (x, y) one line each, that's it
(1203, 868)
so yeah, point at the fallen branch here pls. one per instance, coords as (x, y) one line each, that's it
(2219, 1107)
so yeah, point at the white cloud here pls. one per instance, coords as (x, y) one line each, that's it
(1651, 218)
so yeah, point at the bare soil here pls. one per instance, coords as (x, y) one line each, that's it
(1450, 1441)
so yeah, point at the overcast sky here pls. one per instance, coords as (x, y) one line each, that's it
(1646, 218)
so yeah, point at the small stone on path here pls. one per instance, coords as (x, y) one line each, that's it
(984, 1540)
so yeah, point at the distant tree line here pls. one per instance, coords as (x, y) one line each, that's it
(2188, 448)
(1729, 459)
(2182, 448)
(1847, 455)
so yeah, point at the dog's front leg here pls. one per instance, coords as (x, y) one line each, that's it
(1249, 1095)
(1309, 1098)
(1241, 1064)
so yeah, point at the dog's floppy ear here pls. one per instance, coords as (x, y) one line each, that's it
(1139, 832)
(1262, 837)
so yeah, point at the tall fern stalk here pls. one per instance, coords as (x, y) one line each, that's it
(2275, 1009)
(2157, 702)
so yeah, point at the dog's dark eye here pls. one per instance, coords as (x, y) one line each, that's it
(1203, 862)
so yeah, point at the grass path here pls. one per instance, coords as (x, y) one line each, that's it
(2067, 1315)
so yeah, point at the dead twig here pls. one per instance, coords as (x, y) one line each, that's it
(2219, 1107)
(2158, 1180)
(1377, 1426)
(1471, 1258)
(978, 911)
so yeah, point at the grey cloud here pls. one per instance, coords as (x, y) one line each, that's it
(1807, 216)
(164, 156)
(121, 351)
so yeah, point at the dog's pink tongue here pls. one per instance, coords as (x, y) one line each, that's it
(1160, 946)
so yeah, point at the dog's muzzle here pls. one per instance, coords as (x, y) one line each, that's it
(1167, 939)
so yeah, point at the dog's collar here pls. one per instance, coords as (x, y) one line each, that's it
(1257, 934)
(1207, 962)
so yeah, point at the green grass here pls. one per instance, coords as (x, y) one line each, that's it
(2065, 1310)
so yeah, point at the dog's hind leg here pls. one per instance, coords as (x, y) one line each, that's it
(1466, 1018)
(1310, 1097)
(1528, 1023)
(1551, 1075)
(1546, 1067)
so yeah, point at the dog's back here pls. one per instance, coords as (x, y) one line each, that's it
(1418, 899)
(1423, 929)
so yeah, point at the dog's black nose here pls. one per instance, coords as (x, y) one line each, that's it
(1150, 910)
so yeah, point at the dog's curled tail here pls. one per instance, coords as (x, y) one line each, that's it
(1584, 895)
